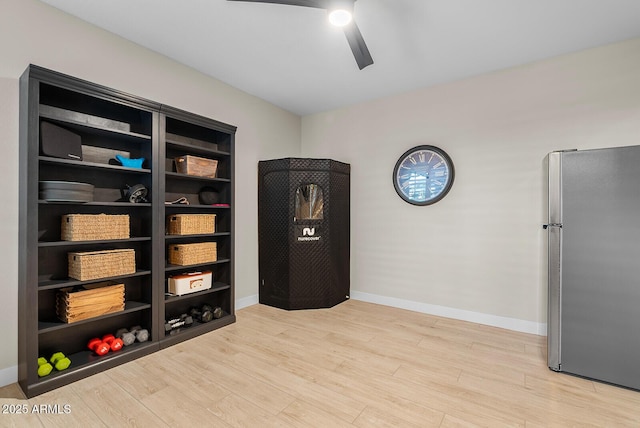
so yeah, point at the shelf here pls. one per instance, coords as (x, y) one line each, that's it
(196, 149)
(215, 288)
(200, 235)
(195, 330)
(194, 206)
(48, 284)
(49, 326)
(79, 243)
(97, 203)
(93, 165)
(83, 127)
(179, 176)
(85, 363)
(171, 268)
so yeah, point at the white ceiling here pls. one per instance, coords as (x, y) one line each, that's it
(291, 57)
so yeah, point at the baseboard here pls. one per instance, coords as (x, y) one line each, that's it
(514, 324)
(8, 376)
(246, 301)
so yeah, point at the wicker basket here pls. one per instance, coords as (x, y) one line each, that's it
(191, 224)
(76, 304)
(89, 227)
(193, 165)
(102, 264)
(192, 254)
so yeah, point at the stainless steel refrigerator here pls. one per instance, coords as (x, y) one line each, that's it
(594, 264)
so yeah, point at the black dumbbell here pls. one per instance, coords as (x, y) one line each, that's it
(203, 314)
(206, 313)
(174, 325)
(195, 313)
(218, 312)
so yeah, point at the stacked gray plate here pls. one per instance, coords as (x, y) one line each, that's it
(65, 191)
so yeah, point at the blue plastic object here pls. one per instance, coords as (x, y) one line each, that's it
(131, 163)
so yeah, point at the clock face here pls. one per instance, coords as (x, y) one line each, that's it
(423, 175)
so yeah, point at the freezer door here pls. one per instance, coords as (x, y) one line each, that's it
(554, 228)
(600, 265)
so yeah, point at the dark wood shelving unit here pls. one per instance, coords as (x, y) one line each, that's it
(214, 141)
(98, 114)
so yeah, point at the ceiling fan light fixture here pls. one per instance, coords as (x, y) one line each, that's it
(340, 17)
(340, 12)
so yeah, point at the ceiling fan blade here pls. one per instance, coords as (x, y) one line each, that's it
(358, 46)
(320, 4)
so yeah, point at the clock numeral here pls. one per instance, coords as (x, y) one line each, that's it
(432, 154)
(438, 164)
(406, 184)
(422, 157)
(413, 161)
(405, 176)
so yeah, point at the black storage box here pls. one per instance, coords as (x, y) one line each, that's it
(58, 142)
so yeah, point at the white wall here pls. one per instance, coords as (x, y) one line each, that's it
(32, 32)
(479, 254)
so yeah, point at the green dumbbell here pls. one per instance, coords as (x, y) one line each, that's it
(59, 361)
(44, 368)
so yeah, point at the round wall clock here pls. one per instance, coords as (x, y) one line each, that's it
(423, 175)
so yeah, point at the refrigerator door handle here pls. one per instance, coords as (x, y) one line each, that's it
(546, 226)
(554, 227)
(554, 323)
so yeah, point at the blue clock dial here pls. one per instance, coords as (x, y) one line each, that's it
(423, 175)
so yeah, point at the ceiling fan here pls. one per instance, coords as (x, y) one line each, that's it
(340, 14)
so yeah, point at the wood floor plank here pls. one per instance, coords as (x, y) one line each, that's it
(264, 395)
(373, 416)
(138, 387)
(341, 383)
(340, 405)
(235, 411)
(18, 413)
(185, 409)
(113, 405)
(302, 413)
(357, 364)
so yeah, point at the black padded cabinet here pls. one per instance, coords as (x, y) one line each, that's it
(303, 221)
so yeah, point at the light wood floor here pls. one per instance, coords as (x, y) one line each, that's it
(357, 364)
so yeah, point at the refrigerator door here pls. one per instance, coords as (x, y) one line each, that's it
(600, 265)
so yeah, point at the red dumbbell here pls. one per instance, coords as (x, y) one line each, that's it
(116, 344)
(98, 346)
